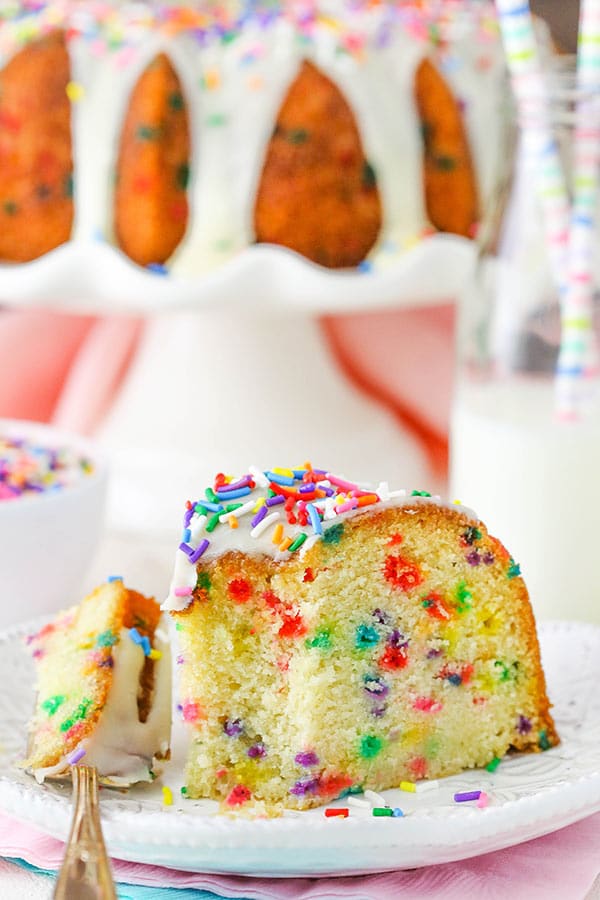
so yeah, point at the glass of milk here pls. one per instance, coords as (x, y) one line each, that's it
(534, 480)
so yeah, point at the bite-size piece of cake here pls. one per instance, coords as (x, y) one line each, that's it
(336, 637)
(103, 688)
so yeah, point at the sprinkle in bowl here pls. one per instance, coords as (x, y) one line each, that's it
(52, 499)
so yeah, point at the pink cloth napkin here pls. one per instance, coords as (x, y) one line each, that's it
(563, 864)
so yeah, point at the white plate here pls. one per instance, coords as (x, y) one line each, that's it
(95, 277)
(532, 794)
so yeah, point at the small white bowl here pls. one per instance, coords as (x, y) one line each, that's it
(47, 540)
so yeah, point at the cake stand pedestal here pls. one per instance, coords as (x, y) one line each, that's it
(212, 392)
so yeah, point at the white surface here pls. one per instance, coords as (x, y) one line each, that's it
(47, 541)
(532, 794)
(535, 482)
(94, 277)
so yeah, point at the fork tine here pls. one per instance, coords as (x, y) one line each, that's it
(85, 872)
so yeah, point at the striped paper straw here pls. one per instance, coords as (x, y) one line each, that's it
(540, 147)
(578, 357)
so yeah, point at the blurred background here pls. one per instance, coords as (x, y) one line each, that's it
(562, 17)
(381, 378)
(363, 345)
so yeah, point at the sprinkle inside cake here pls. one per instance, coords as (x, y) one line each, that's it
(336, 637)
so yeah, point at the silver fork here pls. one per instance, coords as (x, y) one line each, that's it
(85, 872)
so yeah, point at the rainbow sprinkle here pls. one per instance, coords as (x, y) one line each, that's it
(28, 468)
(359, 803)
(465, 796)
(120, 29)
(74, 757)
(142, 640)
(289, 510)
(408, 786)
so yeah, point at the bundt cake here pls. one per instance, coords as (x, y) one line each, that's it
(104, 688)
(336, 637)
(181, 134)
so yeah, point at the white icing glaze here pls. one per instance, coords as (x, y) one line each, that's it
(259, 541)
(232, 122)
(121, 747)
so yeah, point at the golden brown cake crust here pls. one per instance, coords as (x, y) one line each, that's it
(151, 204)
(36, 207)
(318, 193)
(451, 194)
(143, 613)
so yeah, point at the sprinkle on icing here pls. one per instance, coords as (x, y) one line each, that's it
(115, 27)
(283, 512)
(142, 640)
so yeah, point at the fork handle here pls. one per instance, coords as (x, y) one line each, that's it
(85, 872)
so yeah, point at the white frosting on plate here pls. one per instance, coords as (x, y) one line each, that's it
(208, 531)
(121, 747)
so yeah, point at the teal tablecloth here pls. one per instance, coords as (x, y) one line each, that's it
(137, 892)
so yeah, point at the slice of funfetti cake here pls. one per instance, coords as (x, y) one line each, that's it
(336, 637)
(104, 688)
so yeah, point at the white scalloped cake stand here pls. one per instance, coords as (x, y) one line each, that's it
(233, 369)
(531, 794)
(93, 276)
(214, 391)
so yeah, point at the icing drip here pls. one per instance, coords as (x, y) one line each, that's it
(310, 503)
(121, 747)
